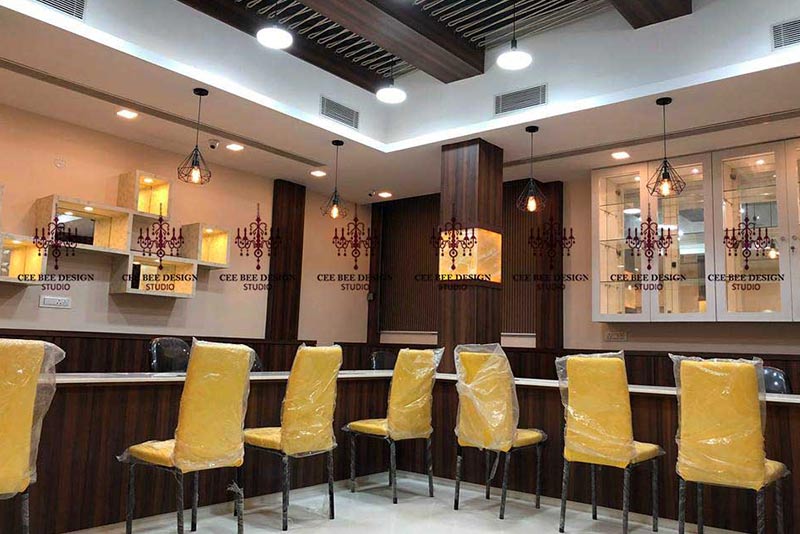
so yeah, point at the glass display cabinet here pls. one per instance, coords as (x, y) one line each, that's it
(792, 243)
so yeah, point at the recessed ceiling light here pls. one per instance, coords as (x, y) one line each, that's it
(127, 114)
(69, 213)
(319, 173)
(385, 194)
(275, 38)
(760, 162)
(88, 208)
(632, 211)
(235, 147)
(620, 155)
(695, 171)
(209, 230)
(637, 178)
(16, 242)
(147, 180)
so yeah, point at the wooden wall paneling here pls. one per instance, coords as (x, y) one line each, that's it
(549, 297)
(519, 295)
(286, 261)
(374, 297)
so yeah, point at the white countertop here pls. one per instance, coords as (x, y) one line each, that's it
(162, 378)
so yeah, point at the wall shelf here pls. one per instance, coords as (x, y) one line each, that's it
(209, 245)
(145, 194)
(19, 256)
(137, 274)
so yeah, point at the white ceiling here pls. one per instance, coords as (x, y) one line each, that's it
(407, 172)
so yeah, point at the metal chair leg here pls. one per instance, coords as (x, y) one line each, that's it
(239, 507)
(505, 484)
(459, 452)
(179, 499)
(330, 484)
(352, 462)
(429, 462)
(761, 519)
(488, 456)
(626, 499)
(699, 508)
(564, 485)
(779, 505)
(538, 476)
(25, 511)
(654, 490)
(594, 490)
(195, 498)
(681, 505)
(239, 480)
(131, 500)
(393, 469)
(286, 485)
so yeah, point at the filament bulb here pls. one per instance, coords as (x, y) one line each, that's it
(335, 211)
(195, 174)
(531, 204)
(665, 188)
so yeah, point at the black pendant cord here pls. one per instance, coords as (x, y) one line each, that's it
(664, 121)
(197, 130)
(514, 22)
(336, 177)
(531, 160)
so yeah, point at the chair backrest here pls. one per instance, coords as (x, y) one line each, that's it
(310, 400)
(597, 408)
(488, 411)
(776, 381)
(168, 354)
(27, 386)
(720, 422)
(210, 429)
(383, 359)
(411, 393)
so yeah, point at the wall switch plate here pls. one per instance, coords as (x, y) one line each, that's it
(612, 335)
(49, 301)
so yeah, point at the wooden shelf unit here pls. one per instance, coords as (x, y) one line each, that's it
(209, 245)
(145, 193)
(18, 256)
(137, 274)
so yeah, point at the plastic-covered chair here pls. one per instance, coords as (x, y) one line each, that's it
(599, 426)
(210, 432)
(383, 360)
(27, 386)
(306, 417)
(488, 415)
(721, 420)
(776, 381)
(408, 415)
(169, 354)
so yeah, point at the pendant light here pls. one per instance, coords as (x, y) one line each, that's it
(666, 181)
(193, 170)
(333, 207)
(391, 94)
(514, 59)
(532, 198)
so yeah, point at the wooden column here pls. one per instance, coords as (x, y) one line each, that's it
(286, 261)
(375, 260)
(472, 191)
(549, 303)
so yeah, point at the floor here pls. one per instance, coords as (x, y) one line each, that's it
(370, 510)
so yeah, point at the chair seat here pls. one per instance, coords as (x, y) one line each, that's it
(266, 438)
(154, 452)
(645, 451)
(376, 427)
(773, 471)
(528, 436)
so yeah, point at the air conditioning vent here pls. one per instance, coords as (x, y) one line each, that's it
(338, 112)
(786, 34)
(73, 8)
(525, 98)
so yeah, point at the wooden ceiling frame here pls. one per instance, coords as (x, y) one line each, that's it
(641, 13)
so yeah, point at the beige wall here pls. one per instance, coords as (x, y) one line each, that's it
(327, 313)
(581, 333)
(30, 143)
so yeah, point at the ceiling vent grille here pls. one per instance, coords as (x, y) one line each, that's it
(786, 34)
(74, 8)
(524, 98)
(338, 112)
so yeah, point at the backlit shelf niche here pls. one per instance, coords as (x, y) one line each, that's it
(137, 274)
(19, 256)
(145, 193)
(207, 244)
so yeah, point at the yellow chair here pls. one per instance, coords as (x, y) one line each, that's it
(27, 386)
(599, 429)
(488, 414)
(306, 416)
(408, 415)
(721, 433)
(210, 431)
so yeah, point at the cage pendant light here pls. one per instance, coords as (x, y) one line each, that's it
(333, 207)
(193, 169)
(532, 198)
(665, 182)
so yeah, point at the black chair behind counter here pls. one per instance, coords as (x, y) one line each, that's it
(776, 381)
(383, 360)
(171, 355)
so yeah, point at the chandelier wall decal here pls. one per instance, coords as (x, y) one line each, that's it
(453, 237)
(333, 206)
(355, 237)
(650, 239)
(193, 169)
(260, 239)
(532, 198)
(749, 239)
(665, 181)
(551, 239)
(163, 239)
(54, 240)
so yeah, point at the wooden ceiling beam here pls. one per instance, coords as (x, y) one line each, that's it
(408, 33)
(233, 15)
(640, 13)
